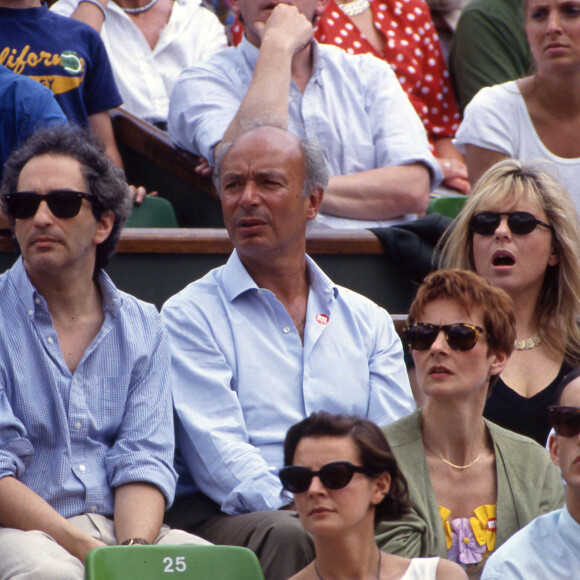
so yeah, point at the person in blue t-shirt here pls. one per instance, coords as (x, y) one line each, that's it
(68, 57)
(24, 107)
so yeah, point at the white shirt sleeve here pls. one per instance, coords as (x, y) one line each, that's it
(489, 120)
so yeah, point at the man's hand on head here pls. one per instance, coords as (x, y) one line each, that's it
(286, 27)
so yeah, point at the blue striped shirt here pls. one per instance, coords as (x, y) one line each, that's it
(73, 438)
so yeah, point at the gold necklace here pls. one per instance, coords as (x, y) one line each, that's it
(527, 343)
(449, 462)
(460, 466)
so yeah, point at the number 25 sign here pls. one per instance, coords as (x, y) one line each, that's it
(176, 564)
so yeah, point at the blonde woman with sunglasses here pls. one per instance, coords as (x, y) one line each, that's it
(345, 479)
(519, 230)
(472, 484)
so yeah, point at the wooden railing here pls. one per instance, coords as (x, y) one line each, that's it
(215, 240)
(154, 144)
(154, 264)
(152, 160)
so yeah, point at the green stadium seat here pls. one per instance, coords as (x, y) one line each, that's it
(154, 212)
(175, 562)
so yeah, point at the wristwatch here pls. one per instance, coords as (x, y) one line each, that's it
(135, 542)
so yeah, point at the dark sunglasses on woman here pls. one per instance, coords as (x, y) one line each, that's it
(336, 475)
(63, 204)
(459, 336)
(565, 420)
(519, 222)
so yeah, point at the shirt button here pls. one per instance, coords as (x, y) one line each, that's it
(78, 425)
(30, 312)
(466, 540)
(37, 300)
(94, 508)
(286, 329)
(82, 467)
(49, 340)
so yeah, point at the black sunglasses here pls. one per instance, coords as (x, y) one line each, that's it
(459, 336)
(336, 475)
(64, 203)
(565, 420)
(519, 222)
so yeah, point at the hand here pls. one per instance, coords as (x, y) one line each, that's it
(138, 194)
(85, 545)
(287, 27)
(455, 174)
(204, 168)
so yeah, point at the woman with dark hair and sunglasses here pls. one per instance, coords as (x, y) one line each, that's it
(345, 480)
(472, 484)
(519, 230)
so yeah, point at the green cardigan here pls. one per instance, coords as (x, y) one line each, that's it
(528, 485)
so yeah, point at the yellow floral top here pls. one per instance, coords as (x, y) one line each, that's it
(470, 541)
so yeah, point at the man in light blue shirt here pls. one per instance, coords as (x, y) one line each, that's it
(375, 145)
(260, 343)
(86, 431)
(549, 546)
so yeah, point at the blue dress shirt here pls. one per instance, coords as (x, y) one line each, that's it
(241, 377)
(353, 104)
(547, 548)
(72, 438)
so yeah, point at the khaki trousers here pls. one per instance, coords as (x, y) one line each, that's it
(36, 556)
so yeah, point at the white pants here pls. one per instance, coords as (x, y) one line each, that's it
(36, 556)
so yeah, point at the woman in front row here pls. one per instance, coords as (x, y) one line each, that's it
(472, 484)
(345, 479)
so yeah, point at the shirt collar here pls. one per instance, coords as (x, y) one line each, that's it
(24, 288)
(320, 283)
(26, 13)
(570, 530)
(236, 279)
(317, 62)
(251, 53)
(112, 298)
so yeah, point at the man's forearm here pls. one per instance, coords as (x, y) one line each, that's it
(139, 509)
(284, 35)
(23, 509)
(101, 125)
(268, 93)
(378, 194)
